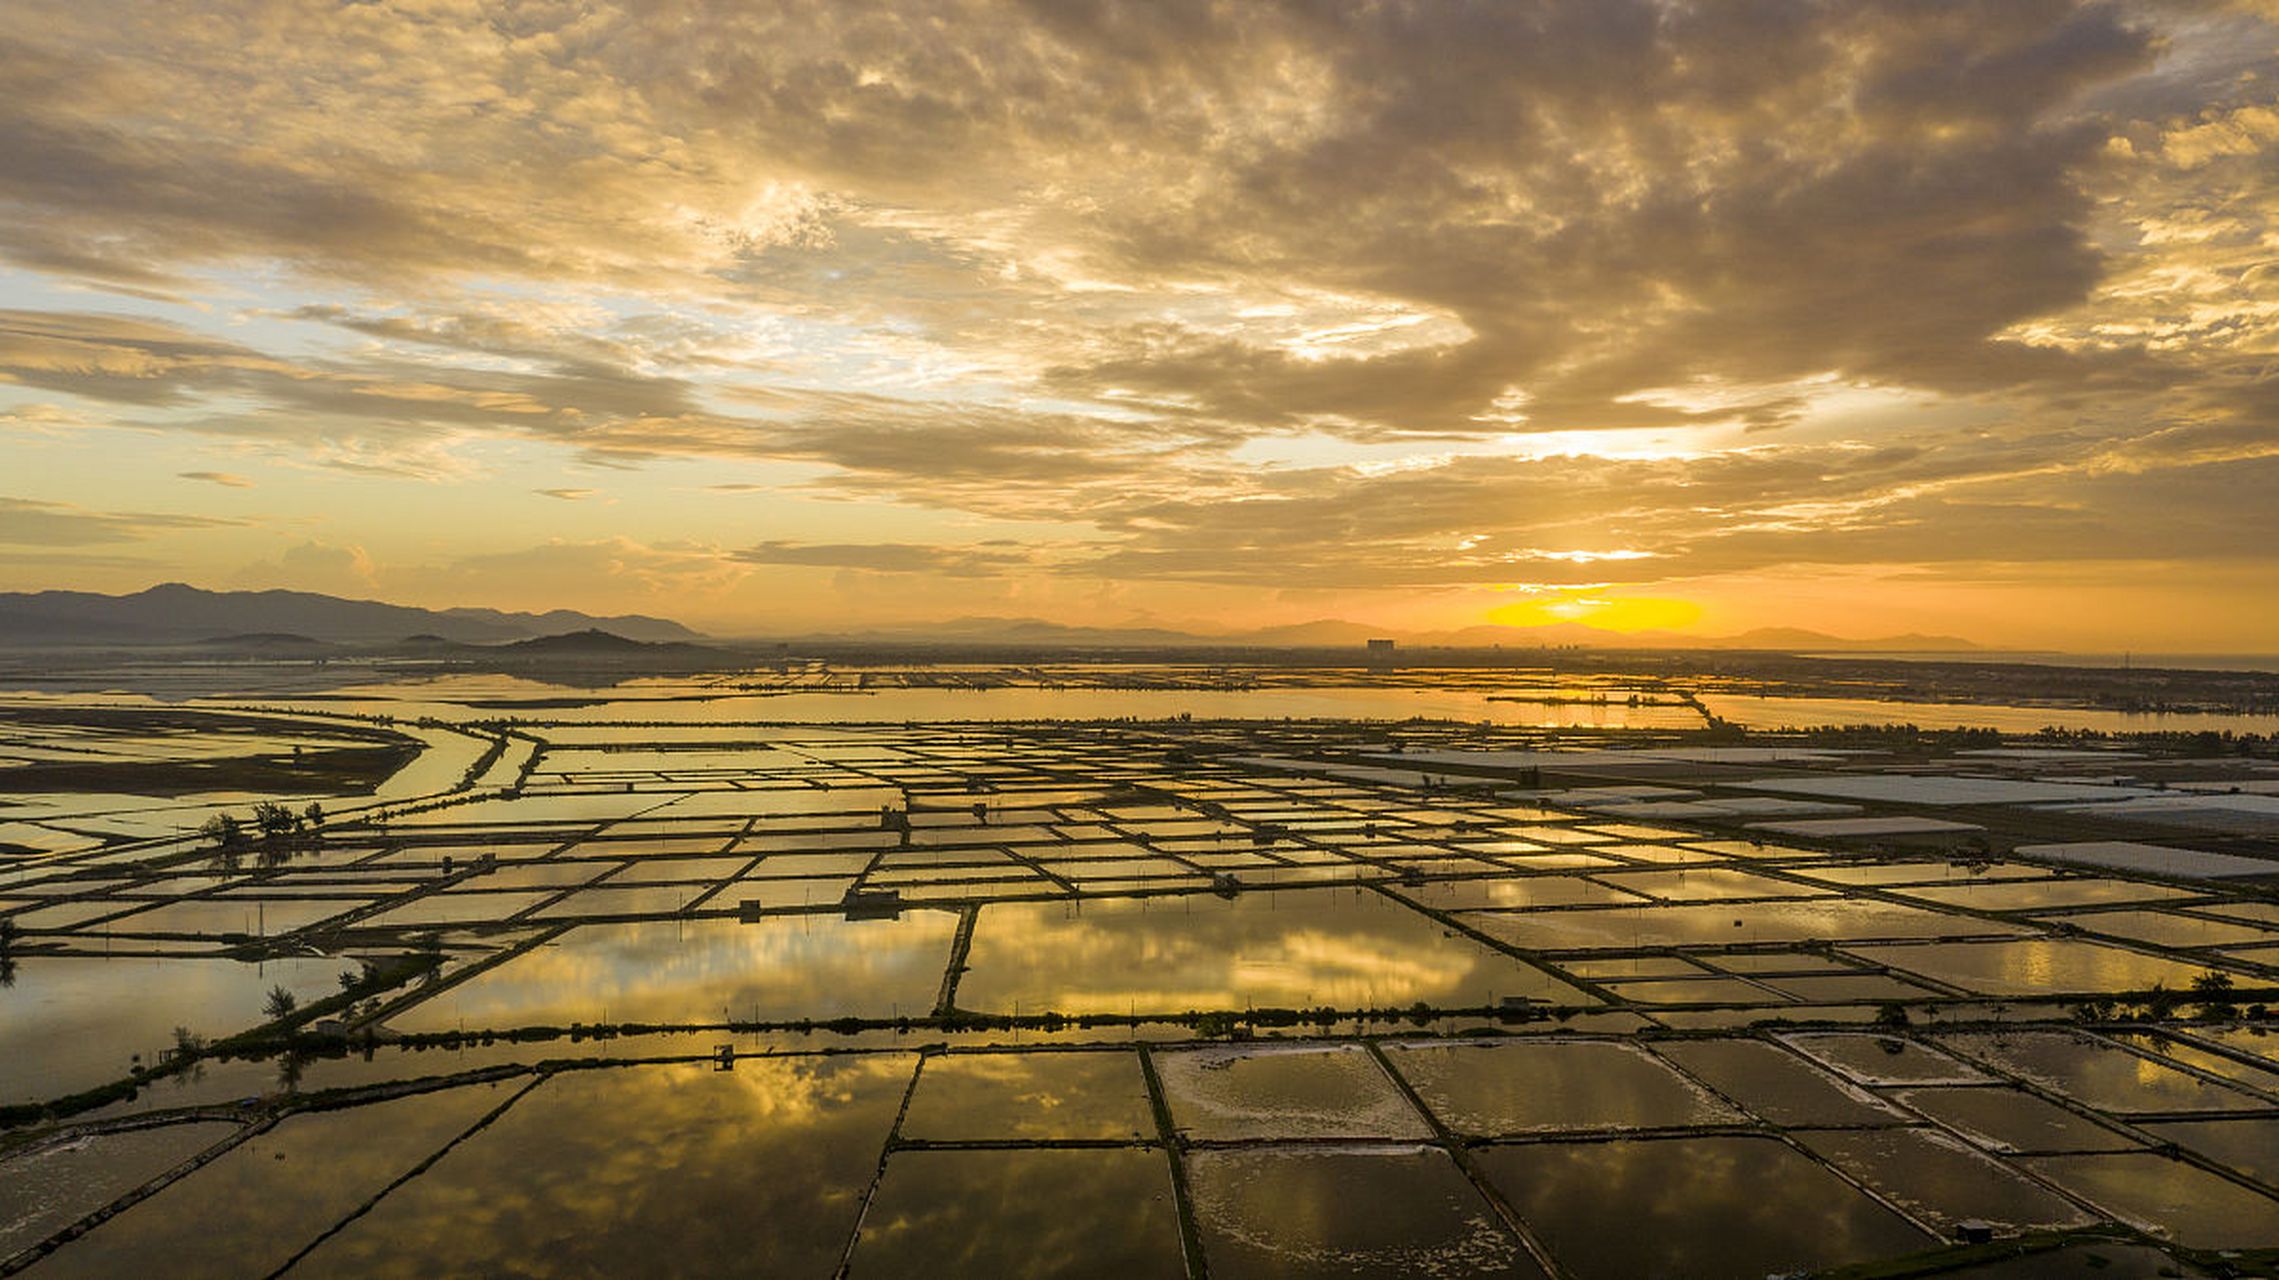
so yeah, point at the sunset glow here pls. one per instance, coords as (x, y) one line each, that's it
(1862, 318)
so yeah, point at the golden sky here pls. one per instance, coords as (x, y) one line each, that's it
(1956, 317)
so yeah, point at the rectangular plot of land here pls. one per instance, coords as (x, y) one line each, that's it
(964, 1097)
(2170, 928)
(635, 900)
(1021, 1213)
(455, 908)
(2100, 1074)
(1739, 923)
(1709, 884)
(1301, 948)
(1516, 892)
(272, 1195)
(1695, 991)
(1325, 1091)
(51, 1185)
(2007, 1119)
(2167, 1197)
(1826, 988)
(1729, 1206)
(1871, 1059)
(610, 1172)
(1489, 1089)
(2032, 966)
(2249, 1146)
(2034, 895)
(1776, 1084)
(69, 1023)
(1943, 1181)
(782, 968)
(1321, 1212)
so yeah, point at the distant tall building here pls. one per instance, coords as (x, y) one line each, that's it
(1381, 653)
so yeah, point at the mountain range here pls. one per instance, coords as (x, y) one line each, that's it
(177, 614)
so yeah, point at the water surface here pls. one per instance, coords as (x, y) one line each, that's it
(618, 1171)
(1389, 1212)
(1706, 1208)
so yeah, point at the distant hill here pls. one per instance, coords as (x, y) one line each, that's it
(175, 614)
(264, 642)
(596, 643)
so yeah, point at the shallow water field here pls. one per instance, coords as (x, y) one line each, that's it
(277, 1192)
(710, 1168)
(1491, 1089)
(706, 971)
(2166, 1197)
(1140, 998)
(2030, 966)
(1385, 1211)
(993, 1096)
(1942, 1180)
(71, 1022)
(1334, 1091)
(2101, 1073)
(48, 1186)
(1297, 948)
(1021, 1213)
(1722, 1206)
(1776, 1084)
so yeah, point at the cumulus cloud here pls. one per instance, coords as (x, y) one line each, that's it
(1911, 284)
(313, 565)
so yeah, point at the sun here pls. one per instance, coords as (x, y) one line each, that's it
(1608, 612)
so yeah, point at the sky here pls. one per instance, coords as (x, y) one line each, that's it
(1944, 316)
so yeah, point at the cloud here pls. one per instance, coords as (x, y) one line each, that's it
(223, 478)
(666, 576)
(29, 522)
(888, 557)
(313, 565)
(1919, 284)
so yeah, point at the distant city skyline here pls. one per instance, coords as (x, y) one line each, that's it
(1860, 318)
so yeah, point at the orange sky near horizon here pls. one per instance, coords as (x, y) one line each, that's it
(1861, 317)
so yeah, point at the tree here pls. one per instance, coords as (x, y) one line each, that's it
(275, 820)
(280, 1003)
(2160, 1003)
(2215, 991)
(313, 815)
(223, 830)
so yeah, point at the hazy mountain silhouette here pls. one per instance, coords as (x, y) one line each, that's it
(179, 614)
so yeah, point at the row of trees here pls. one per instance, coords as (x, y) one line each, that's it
(275, 823)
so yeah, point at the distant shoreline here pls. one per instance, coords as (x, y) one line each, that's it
(2265, 662)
